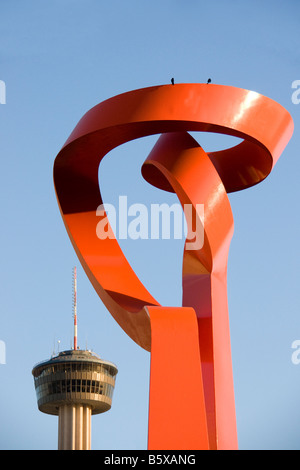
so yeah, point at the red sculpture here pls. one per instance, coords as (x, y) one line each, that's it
(191, 403)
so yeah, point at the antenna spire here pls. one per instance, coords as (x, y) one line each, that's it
(75, 306)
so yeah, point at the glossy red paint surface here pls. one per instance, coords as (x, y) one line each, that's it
(189, 170)
(177, 413)
(177, 163)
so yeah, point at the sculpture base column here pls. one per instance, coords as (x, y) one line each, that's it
(177, 416)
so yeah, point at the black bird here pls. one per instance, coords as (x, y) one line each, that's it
(209, 80)
(172, 81)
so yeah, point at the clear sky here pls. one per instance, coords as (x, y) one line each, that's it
(57, 60)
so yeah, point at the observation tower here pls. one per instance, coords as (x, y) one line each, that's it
(74, 385)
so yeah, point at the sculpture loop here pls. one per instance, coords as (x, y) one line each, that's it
(196, 411)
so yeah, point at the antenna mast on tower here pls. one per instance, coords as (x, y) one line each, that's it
(75, 306)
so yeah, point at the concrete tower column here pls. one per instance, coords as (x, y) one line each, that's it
(74, 427)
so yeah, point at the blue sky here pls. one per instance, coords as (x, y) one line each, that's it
(58, 59)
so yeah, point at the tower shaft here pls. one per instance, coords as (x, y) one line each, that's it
(74, 427)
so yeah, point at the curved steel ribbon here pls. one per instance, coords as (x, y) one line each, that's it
(195, 337)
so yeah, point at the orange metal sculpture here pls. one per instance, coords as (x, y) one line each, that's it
(191, 402)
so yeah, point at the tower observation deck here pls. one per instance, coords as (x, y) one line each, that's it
(74, 385)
